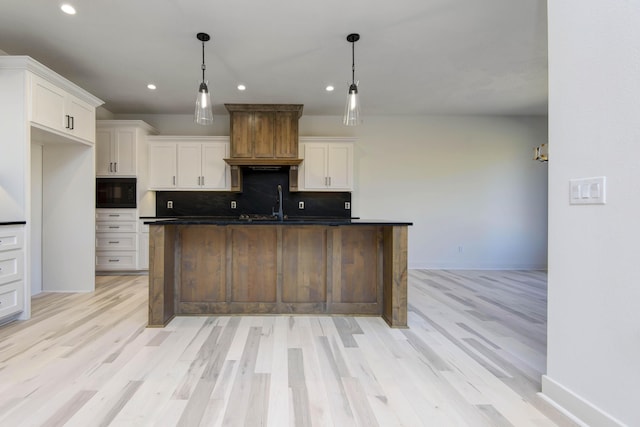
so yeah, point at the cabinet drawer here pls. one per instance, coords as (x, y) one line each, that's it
(11, 266)
(11, 238)
(117, 227)
(11, 299)
(116, 241)
(116, 261)
(116, 215)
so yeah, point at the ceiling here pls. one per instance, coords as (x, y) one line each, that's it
(414, 57)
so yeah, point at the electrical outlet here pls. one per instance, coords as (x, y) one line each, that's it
(347, 205)
(300, 205)
(170, 204)
(234, 204)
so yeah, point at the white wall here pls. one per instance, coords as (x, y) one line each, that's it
(593, 355)
(68, 218)
(35, 263)
(469, 184)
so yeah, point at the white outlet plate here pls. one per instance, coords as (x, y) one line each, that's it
(234, 204)
(588, 191)
(347, 205)
(170, 204)
(300, 205)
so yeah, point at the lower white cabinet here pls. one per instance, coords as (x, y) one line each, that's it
(116, 239)
(12, 258)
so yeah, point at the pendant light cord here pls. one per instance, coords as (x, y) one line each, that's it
(353, 62)
(203, 66)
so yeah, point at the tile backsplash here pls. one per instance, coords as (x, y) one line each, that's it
(258, 197)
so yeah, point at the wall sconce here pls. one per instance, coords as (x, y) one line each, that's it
(541, 153)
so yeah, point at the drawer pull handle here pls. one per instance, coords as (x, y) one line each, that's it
(114, 226)
(113, 243)
(114, 260)
(115, 215)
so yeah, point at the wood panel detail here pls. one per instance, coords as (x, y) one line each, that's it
(395, 276)
(358, 265)
(304, 264)
(253, 263)
(202, 264)
(161, 274)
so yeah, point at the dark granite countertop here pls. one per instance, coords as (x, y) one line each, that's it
(288, 221)
(12, 223)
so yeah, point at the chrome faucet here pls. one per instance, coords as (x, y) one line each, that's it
(279, 214)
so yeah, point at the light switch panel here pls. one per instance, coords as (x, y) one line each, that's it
(587, 191)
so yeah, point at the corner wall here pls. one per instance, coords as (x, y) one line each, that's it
(593, 350)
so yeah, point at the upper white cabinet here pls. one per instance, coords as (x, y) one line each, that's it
(56, 110)
(188, 163)
(327, 165)
(163, 165)
(121, 147)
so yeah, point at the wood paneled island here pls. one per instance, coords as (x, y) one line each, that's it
(216, 266)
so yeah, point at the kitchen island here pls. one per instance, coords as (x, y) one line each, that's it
(212, 266)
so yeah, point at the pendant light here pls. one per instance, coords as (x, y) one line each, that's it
(204, 114)
(352, 109)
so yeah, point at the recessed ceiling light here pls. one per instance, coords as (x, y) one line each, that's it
(68, 9)
(242, 87)
(329, 88)
(151, 86)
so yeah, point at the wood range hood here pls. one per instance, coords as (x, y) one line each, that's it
(263, 136)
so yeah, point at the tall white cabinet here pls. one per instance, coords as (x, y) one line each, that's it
(38, 107)
(122, 150)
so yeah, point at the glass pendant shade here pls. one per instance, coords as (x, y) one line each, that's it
(352, 108)
(204, 113)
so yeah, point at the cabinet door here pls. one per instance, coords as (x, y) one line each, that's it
(315, 166)
(286, 135)
(189, 168)
(48, 104)
(340, 166)
(241, 134)
(162, 165)
(264, 134)
(214, 168)
(82, 118)
(104, 142)
(124, 155)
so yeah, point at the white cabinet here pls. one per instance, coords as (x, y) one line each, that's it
(12, 266)
(163, 165)
(56, 110)
(327, 164)
(202, 165)
(116, 239)
(188, 163)
(118, 145)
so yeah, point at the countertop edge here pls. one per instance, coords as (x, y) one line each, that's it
(329, 222)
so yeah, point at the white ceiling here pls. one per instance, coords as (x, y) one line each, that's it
(414, 56)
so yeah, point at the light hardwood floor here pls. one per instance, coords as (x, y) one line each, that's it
(473, 356)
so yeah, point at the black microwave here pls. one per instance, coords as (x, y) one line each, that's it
(116, 193)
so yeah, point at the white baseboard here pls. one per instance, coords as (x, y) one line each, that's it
(445, 266)
(575, 407)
